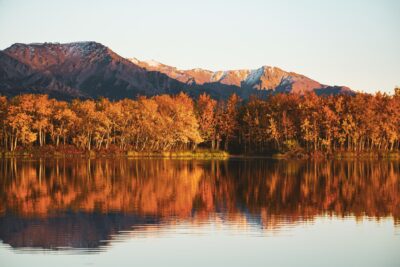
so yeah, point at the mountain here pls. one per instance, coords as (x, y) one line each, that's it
(92, 70)
(265, 78)
(17, 77)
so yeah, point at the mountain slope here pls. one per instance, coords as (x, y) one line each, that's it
(264, 78)
(90, 69)
(17, 77)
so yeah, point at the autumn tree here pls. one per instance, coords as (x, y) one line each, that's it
(357, 123)
(3, 116)
(40, 115)
(86, 124)
(63, 121)
(226, 120)
(206, 108)
(19, 122)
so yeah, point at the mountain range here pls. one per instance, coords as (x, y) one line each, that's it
(92, 70)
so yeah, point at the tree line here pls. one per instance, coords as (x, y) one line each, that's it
(282, 122)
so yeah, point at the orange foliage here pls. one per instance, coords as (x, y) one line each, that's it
(283, 122)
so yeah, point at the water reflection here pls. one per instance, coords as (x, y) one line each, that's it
(85, 203)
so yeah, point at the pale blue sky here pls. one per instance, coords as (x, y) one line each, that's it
(353, 43)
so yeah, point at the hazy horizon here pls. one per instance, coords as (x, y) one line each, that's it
(353, 44)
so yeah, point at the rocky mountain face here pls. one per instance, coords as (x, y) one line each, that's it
(265, 78)
(17, 77)
(91, 70)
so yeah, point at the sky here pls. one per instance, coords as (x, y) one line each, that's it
(341, 42)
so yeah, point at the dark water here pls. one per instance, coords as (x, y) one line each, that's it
(156, 212)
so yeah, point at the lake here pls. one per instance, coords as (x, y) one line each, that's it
(162, 212)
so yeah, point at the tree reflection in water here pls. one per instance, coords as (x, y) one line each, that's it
(53, 203)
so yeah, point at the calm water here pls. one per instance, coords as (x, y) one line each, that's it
(156, 212)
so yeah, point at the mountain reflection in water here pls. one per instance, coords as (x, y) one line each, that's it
(84, 203)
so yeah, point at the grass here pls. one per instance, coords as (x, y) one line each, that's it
(338, 155)
(196, 154)
(367, 155)
(71, 151)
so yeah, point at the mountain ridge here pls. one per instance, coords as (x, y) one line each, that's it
(90, 69)
(263, 78)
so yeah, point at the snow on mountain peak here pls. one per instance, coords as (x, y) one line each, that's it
(254, 76)
(217, 76)
(152, 63)
(134, 60)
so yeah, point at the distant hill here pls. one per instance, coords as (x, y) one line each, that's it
(92, 70)
(264, 78)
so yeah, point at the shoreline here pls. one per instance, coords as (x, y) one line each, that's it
(37, 153)
(196, 154)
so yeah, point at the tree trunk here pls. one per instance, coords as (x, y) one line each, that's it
(226, 144)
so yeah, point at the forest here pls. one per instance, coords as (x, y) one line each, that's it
(279, 124)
